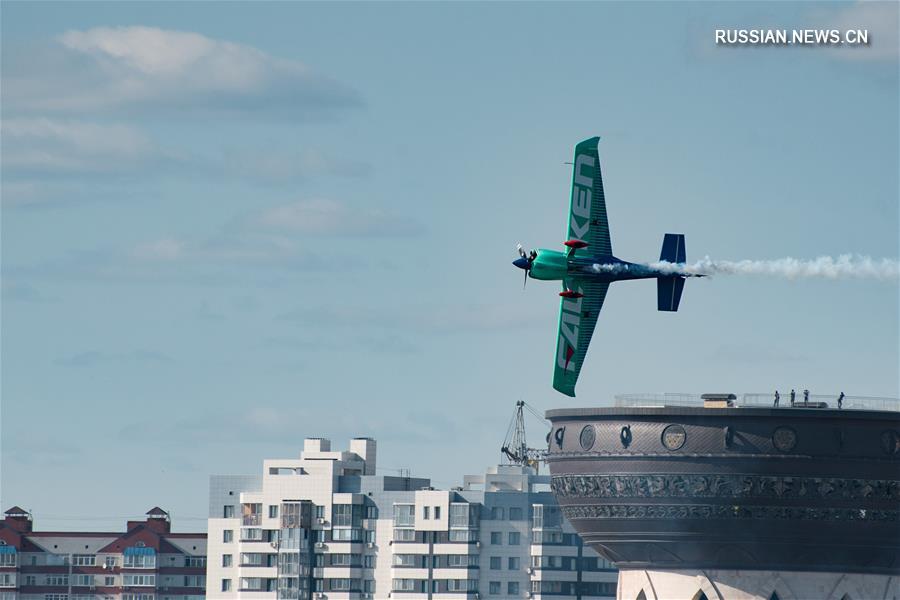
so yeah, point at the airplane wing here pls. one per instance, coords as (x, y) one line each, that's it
(577, 317)
(587, 214)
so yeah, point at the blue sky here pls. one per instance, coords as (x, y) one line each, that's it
(228, 226)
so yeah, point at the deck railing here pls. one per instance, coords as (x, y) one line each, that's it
(763, 400)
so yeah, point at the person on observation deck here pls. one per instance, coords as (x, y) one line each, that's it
(806, 396)
(793, 396)
(841, 401)
(777, 398)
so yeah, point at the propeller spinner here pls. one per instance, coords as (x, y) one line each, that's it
(524, 261)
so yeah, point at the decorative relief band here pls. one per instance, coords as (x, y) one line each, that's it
(722, 486)
(713, 511)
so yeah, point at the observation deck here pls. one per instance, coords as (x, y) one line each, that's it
(679, 481)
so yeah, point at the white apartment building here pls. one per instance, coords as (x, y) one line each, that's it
(325, 526)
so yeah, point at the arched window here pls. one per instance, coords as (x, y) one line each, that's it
(641, 596)
(699, 596)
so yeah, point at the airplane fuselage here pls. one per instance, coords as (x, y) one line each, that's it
(552, 265)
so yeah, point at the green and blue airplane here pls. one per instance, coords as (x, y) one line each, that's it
(588, 267)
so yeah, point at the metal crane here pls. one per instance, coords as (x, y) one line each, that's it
(515, 449)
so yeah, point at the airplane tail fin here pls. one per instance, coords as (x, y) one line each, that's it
(668, 289)
(668, 292)
(673, 248)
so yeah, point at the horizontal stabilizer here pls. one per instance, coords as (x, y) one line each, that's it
(668, 292)
(673, 248)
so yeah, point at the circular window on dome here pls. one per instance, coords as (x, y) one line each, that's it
(890, 441)
(587, 437)
(673, 437)
(784, 438)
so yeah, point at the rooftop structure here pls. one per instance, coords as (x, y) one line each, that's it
(145, 562)
(325, 525)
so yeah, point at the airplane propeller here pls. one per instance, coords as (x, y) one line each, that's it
(524, 261)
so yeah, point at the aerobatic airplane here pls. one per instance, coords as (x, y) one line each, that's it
(588, 267)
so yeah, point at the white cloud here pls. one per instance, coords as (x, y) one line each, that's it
(127, 67)
(881, 21)
(332, 218)
(68, 146)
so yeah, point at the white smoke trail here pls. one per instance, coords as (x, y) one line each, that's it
(845, 266)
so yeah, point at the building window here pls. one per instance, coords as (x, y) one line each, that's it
(57, 580)
(320, 511)
(462, 560)
(228, 536)
(496, 563)
(110, 562)
(407, 560)
(372, 512)
(426, 512)
(226, 560)
(404, 515)
(515, 514)
(437, 512)
(463, 535)
(138, 580)
(251, 534)
(195, 561)
(494, 588)
(512, 588)
(346, 515)
(226, 585)
(30, 580)
(346, 535)
(514, 537)
(84, 580)
(253, 559)
(369, 561)
(513, 563)
(404, 535)
(84, 560)
(462, 516)
(496, 538)
(409, 585)
(195, 581)
(139, 557)
(273, 511)
(228, 511)
(497, 513)
(251, 513)
(109, 581)
(341, 560)
(546, 516)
